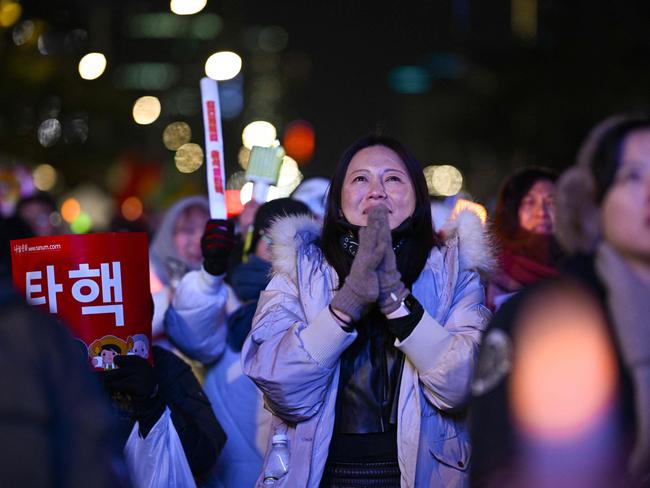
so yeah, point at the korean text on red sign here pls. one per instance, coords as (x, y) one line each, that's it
(98, 284)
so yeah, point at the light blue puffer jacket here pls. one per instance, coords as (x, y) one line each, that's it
(293, 350)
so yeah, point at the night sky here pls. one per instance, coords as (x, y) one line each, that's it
(490, 101)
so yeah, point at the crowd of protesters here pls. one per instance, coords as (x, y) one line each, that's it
(345, 334)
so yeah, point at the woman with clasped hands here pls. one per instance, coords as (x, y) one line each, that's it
(365, 339)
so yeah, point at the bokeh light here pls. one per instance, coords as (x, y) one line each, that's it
(176, 134)
(461, 204)
(243, 156)
(49, 132)
(189, 158)
(187, 7)
(92, 66)
(132, 208)
(93, 201)
(70, 209)
(46, 43)
(564, 371)
(55, 219)
(290, 176)
(410, 79)
(299, 141)
(223, 65)
(146, 110)
(10, 12)
(44, 176)
(207, 26)
(259, 133)
(273, 39)
(444, 180)
(23, 33)
(82, 224)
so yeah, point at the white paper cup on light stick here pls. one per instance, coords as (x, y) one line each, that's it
(214, 160)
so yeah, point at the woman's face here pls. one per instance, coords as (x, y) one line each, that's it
(537, 208)
(377, 176)
(625, 212)
(187, 234)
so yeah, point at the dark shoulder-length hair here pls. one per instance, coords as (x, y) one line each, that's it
(506, 212)
(421, 219)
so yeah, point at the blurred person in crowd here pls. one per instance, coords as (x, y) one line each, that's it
(144, 394)
(313, 193)
(39, 211)
(563, 384)
(12, 228)
(139, 392)
(524, 227)
(175, 250)
(365, 339)
(209, 320)
(55, 424)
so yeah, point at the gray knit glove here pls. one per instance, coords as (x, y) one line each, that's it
(391, 289)
(361, 286)
(628, 300)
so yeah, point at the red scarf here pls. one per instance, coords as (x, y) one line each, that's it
(524, 270)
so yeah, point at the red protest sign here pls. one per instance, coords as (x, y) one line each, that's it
(98, 284)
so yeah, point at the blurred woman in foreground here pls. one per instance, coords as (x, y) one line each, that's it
(563, 382)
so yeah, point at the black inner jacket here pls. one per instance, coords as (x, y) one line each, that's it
(370, 375)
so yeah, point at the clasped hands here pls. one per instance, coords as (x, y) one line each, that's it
(373, 275)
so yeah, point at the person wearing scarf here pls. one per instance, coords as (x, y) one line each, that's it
(582, 417)
(365, 338)
(524, 225)
(209, 318)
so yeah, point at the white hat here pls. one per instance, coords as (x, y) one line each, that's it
(313, 193)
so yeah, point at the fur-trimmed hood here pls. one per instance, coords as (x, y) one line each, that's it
(476, 250)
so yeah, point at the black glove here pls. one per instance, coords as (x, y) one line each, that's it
(216, 244)
(134, 383)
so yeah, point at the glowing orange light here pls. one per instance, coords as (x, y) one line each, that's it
(70, 210)
(564, 371)
(233, 202)
(299, 141)
(477, 208)
(132, 208)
